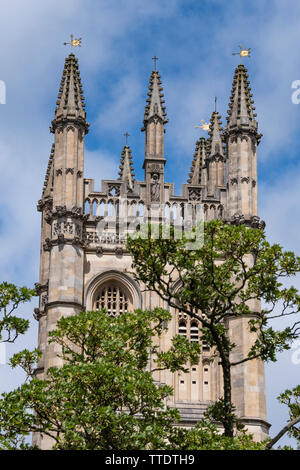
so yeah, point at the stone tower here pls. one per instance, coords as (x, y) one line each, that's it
(84, 268)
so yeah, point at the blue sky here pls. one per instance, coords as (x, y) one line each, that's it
(194, 41)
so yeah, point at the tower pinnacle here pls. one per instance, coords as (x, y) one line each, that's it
(214, 142)
(126, 172)
(195, 175)
(155, 104)
(241, 139)
(70, 102)
(215, 160)
(241, 110)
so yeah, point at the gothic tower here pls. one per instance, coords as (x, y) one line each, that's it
(84, 263)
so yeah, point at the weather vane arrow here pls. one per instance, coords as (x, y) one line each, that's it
(74, 42)
(243, 52)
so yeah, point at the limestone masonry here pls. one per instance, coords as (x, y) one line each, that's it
(84, 269)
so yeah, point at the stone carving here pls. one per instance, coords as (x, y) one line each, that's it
(245, 179)
(44, 300)
(68, 228)
(155, 188)
(155, 167)
(38, 314)
(233, 181)
(70, 170)
(195, 194)
(59, 171)
(47, 245)
(45, 203)
(114, 190)
(106, 238)
(253, 221)
(39, 288)
(61, 211)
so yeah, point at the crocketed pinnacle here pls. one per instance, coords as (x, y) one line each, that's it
(214, 142)
(70, 103)
(126, 172)
(48, 183)
(198, 161)
(155, 104)
(241, 110)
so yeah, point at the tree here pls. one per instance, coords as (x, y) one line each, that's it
(291, 398)
(217, 282)
(11, 297)
(104, 395)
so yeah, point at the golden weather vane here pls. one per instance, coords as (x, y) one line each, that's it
(204, 126)
(243, 52)
(74, 42)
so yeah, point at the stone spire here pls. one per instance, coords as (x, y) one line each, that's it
(155, 108)
(195, 175)
(154, 121)
(215, 140)
(70, 102)
(241, 138)
(126, 172)
(241, 110)
(63, 222)
(215, 160)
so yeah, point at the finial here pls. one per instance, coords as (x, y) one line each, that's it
(74, 42)
(155, 60)
(243, 52)
(215, 104)
(204, 126)
(126, 138)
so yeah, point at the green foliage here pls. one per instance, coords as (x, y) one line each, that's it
(104, 395)
(291, 398)
(224, 278)
(206, 436)
(11, 297)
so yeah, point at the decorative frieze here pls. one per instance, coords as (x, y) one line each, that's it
(106, 238)
(62, 211)
(70, 228)
(245, 179)
(62, 240)
(156, 168)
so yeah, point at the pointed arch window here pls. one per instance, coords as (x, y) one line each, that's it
(114, 299)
